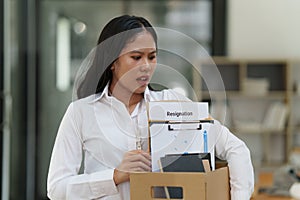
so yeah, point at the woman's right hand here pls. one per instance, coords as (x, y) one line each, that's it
(133, 161)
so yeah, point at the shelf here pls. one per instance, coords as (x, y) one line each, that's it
(296, 128)
(271, 95)
(273, 100)
(239, 131)
(296, 96)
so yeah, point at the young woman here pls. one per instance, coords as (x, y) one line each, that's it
(105, 131)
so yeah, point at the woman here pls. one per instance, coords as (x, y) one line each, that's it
(106, 132)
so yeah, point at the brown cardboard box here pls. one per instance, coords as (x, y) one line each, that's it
(213, 185)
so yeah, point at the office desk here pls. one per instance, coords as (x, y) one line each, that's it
(266, 179)
(267, 197)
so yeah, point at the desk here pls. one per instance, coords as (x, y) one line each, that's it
(267, 197)
(266, 179)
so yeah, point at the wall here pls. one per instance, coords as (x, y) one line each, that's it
(263, 29)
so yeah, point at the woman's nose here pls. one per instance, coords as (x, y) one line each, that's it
(146, 65)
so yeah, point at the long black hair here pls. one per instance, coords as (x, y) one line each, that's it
(123, 28)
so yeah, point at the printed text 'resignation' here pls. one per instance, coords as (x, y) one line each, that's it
(178, 114)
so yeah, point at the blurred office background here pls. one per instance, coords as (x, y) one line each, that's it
(35, 89)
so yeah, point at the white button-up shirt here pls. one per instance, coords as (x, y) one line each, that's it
(96, 131)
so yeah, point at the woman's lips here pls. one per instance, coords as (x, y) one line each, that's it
(143, 80)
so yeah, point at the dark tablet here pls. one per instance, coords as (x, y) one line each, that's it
(182, 163)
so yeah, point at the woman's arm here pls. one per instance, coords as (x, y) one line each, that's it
(237, 154)
(64, 182)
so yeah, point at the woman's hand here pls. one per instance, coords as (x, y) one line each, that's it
(133, 161)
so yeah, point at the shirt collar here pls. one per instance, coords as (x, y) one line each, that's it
(147, 94)
(100, 95)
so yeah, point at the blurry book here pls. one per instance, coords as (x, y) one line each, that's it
(276, 117)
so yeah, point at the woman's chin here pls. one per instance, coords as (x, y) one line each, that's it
(141, 89)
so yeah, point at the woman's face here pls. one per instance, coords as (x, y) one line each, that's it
(134, 68)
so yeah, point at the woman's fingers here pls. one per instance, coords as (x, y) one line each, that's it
(133, 161)
(141, 157)
(136, 160)
(139, 166)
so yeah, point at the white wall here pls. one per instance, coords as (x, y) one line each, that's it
(264, 28)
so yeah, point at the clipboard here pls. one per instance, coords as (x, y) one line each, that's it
(177, 128)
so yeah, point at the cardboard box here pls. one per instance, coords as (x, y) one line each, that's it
(213, 185)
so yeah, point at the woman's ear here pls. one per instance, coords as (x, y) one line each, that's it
(114, 65)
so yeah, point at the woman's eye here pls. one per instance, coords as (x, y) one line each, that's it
(152, 57)
(136, 57)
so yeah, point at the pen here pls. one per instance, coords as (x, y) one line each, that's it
(138, 139)
(205, 141)
(138, 144)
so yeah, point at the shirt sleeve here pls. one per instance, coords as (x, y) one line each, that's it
(64, 180)
(237, 154)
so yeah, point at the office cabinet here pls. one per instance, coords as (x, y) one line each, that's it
(260, 103)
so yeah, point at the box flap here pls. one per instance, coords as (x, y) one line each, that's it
(214, 184)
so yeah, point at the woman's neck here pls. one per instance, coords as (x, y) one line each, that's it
(129, 99)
